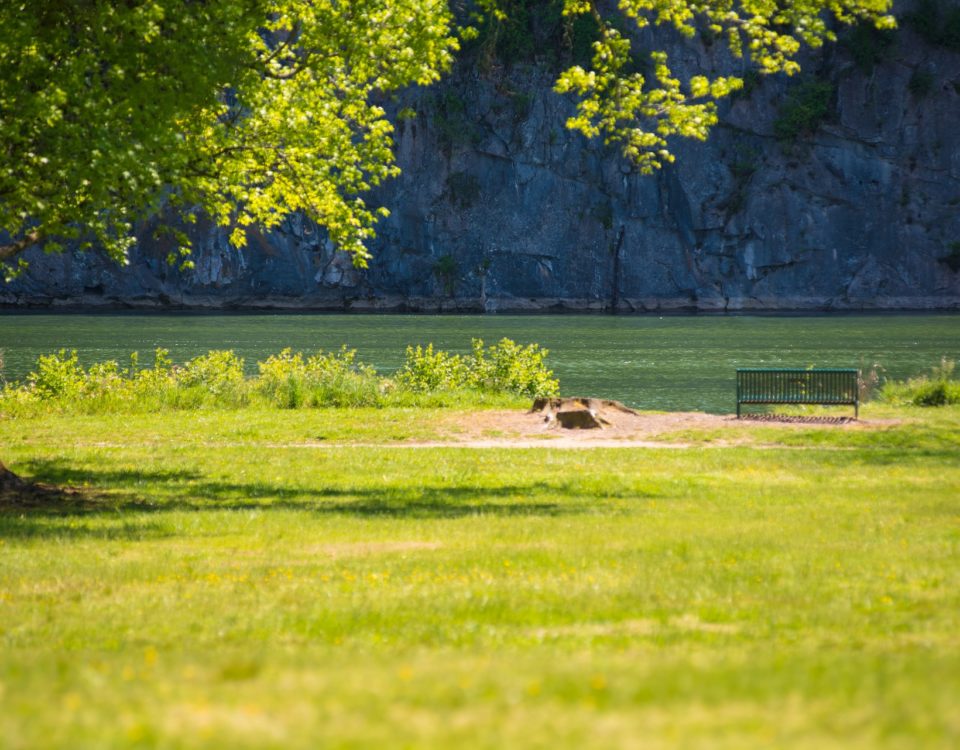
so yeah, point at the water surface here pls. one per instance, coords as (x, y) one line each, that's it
(669, 363)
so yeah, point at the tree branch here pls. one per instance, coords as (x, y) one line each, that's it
(13, 248)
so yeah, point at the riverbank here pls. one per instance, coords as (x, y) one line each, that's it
(671, 362)
(399, 304)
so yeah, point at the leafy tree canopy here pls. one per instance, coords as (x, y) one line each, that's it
(250, 110)
(246, 109)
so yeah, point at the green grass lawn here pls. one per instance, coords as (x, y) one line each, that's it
(251, 579)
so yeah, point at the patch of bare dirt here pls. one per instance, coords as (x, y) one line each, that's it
(796, 419)
(620, 426)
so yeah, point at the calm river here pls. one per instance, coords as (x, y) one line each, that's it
(669, 363)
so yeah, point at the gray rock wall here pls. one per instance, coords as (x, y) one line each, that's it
(499, 207)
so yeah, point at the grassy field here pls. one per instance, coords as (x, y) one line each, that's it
(308, 579)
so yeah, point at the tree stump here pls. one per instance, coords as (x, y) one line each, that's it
(579, 413)
(578, 419)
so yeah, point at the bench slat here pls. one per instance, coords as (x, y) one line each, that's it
(821, 386)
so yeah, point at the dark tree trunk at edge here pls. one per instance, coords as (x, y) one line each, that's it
(9, 480)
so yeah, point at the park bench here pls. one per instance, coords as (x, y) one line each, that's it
(825, 387)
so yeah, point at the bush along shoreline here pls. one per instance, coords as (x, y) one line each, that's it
(500, 374)
(939, 388)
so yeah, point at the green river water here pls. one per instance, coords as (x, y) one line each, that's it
(669, 363)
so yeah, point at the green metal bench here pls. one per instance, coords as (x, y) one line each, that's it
(825, 387)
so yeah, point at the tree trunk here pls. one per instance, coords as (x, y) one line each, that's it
(9, 480)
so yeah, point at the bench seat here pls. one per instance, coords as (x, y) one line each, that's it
(818, 386)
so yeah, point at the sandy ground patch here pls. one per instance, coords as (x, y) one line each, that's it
(644, 429)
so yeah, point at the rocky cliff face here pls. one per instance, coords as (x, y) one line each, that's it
(840, 190)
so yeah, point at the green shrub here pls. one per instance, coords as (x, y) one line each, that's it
(347, 390)
(446, 270)
(937, 389)
(108, 387)
(752, 80)
(936, 393)
(338, 379)
(455, 127)
(535, 31)
(333, 379)
(921, 83)
(60, 381)
(806, 107)
(282, 378)
(58, 376)
(506, 367)
(868, 45)
(216, 377)
(218, 371)
(937, 21)
(286, 380)
(426, 370)
(154, 387)
(464, 189)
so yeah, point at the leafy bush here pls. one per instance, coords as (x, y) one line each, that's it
(286, 380)
(446, 270)
(334, 379)
(921, 83)
(937, 389)
(108, 387)
(937, 393)
(215, 379)
(937, 21)
(60, 381)
(282, 378)
(216, 371)
(455, 127)
(506, 367)
(57, 375)
(464, 189)
(537, 30)
(868, 45)
(806, 107)
(426, 370)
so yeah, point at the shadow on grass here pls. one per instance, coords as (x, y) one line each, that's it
(98, 503)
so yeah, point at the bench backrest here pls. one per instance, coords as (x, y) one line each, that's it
(798, 386)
